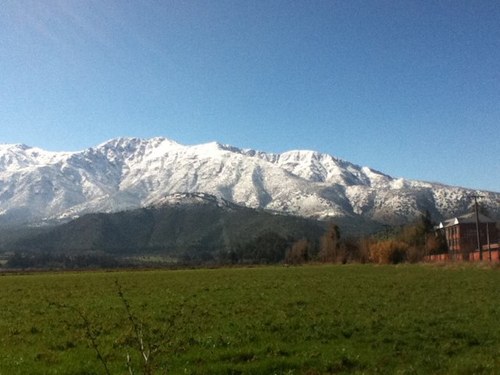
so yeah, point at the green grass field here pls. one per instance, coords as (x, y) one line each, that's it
(270, 320)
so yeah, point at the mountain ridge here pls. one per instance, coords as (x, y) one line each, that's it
(128, 173)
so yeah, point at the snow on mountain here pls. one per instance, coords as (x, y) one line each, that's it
(128, 173)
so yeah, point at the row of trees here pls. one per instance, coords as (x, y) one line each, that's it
(272, 248)
(409, 243)
(46, 260)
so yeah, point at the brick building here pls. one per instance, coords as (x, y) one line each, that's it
(461, 233)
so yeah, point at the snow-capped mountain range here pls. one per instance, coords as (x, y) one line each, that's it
(127, 173)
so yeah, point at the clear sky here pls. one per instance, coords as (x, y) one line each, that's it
(411, 88)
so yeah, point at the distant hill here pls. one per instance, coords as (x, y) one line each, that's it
(128, 173)
(183, 226)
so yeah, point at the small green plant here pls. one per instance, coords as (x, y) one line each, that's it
(91, 333)
(144, 348)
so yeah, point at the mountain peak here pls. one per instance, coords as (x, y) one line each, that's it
(192, 199)
(132, 142)
(13, 146)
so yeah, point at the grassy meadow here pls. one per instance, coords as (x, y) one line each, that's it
(410, 319)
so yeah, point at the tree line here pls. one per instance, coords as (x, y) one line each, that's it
(408, 243)
(45, 260)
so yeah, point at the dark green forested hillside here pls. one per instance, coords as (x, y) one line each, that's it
(190, 231)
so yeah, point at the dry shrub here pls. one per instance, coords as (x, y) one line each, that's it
(299, 253)
(330, 245)
(388, 251)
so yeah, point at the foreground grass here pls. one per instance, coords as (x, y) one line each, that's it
(305, 320)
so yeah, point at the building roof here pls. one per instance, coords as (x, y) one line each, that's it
(469, 218)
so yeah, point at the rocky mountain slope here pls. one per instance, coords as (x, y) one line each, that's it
(128, 173)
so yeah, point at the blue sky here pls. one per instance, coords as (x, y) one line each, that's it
(411, 88)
